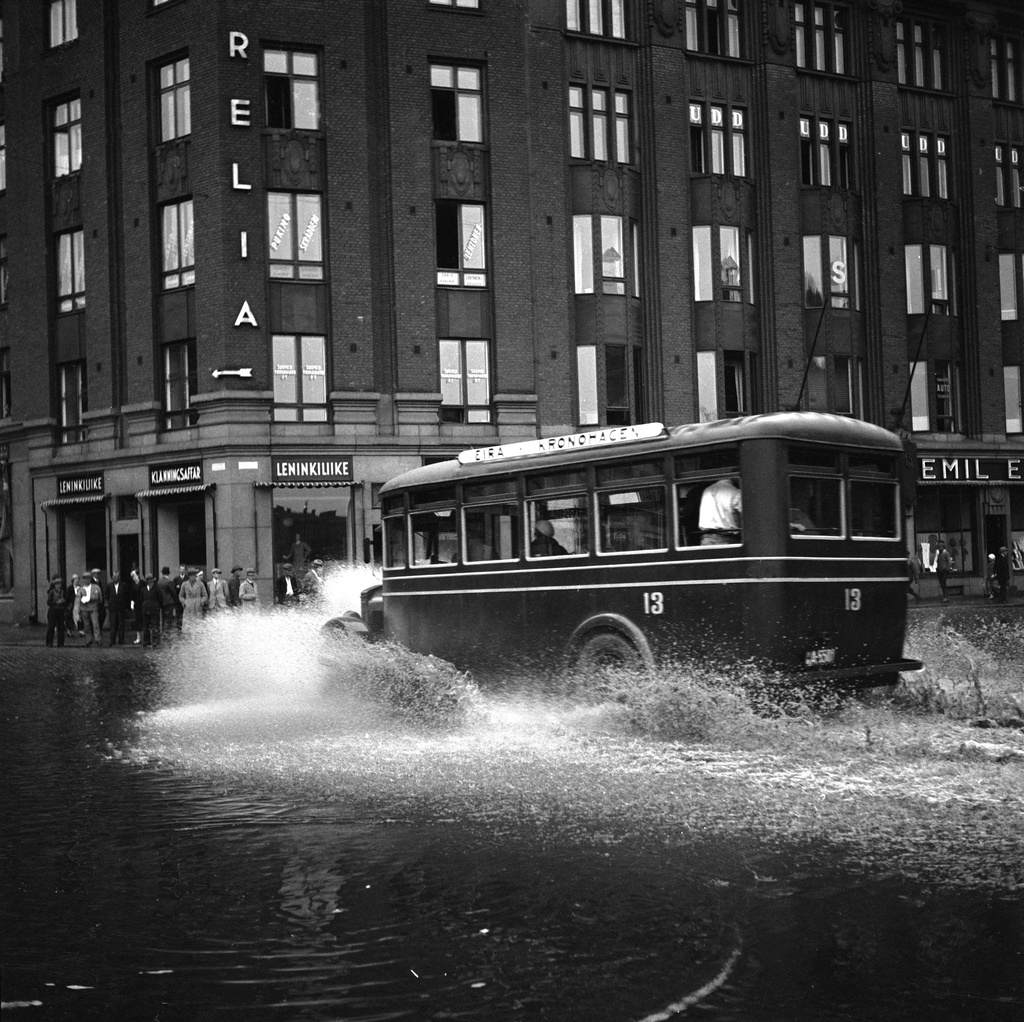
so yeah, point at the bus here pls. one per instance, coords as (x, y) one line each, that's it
(771, 539)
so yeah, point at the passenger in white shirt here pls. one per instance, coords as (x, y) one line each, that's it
(721, 512)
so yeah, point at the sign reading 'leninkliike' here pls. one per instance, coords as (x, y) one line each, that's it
(314, 470)
(183, 473)
(75, 486)
(960, 469)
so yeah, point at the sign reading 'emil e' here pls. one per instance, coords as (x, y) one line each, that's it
(961, 469)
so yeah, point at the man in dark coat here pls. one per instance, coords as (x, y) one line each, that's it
(233, 583)
(179, 608)
(148, 600)
(286, 588)
(168, 596)
(117, 608)
(1003, 573)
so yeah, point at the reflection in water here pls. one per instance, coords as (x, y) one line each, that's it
(224, 829)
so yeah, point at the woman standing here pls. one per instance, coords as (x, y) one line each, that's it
(192, 597)
(73, 607)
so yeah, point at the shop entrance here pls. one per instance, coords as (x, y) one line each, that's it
(310, 524)
(180, 533)
(83, 540)
(127, 555)
(995, 533)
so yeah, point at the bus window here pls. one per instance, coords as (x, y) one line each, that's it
(490, 490)
(558, 526)
(434, 539)
(815, 506)
(724, 461)
(630, 470)
(492, 532)
(632, 519)
(710, 512)
(394, 542)
(556, 480)
(873, 508)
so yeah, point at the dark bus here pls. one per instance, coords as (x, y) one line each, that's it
(610, 547)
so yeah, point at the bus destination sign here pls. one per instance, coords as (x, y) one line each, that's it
(607, 437)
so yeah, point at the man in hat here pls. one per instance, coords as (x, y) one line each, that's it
(101, 607)
(148, 599)
(91, 597)
(218, 592)
(286, 588)
(313, 583)
(233, 584)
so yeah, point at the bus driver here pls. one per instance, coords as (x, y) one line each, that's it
(721, 507)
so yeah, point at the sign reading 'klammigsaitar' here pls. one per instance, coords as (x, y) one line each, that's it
(183, 473)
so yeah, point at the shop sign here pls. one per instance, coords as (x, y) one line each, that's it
(76, 486)
(961, 469)
(175, 475)
(317, 469)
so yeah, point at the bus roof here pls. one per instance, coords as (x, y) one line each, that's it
(811, 427)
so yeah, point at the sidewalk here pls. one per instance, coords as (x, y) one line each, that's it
(930, 607)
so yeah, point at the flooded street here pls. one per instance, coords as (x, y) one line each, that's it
(220, 830)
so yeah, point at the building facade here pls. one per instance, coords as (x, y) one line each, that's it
(257, 259)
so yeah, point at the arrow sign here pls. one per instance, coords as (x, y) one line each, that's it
(246, 372)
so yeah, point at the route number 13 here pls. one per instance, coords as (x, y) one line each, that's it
(852, 599)
(654, 603)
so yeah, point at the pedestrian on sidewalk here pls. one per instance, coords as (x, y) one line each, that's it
(56, 607)
(990, 577)
(117, 608)
(1004, 571)
(247, 591)
(90, 598)
(913, 576)
(73, 601)
(943, 563)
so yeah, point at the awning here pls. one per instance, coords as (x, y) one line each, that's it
(170, 491)
(300, 486)
(85, 498)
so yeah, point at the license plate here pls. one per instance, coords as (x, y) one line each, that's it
(817, 657)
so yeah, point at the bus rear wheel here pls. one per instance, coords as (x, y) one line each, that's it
(602, 651)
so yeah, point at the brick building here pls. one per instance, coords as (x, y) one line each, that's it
(256, 259)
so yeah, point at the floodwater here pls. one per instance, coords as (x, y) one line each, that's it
(214, 830)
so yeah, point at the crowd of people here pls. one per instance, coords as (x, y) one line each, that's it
(158, 609)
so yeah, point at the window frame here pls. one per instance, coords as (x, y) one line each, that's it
(71, 129)
(5, 384)
(822, 43)
(70, 285)
(174, 99)
(457, 237)
(714, 27)
(293, 79)
(186, 415)
(466, 99)
(922, 54)
(63, 23)
(718, 140)
(72, 429)
(605, 18)
(295, 267)
(304, 410)
(463, 410)
(183, 272)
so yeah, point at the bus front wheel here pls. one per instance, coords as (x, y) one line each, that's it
(607, 651)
